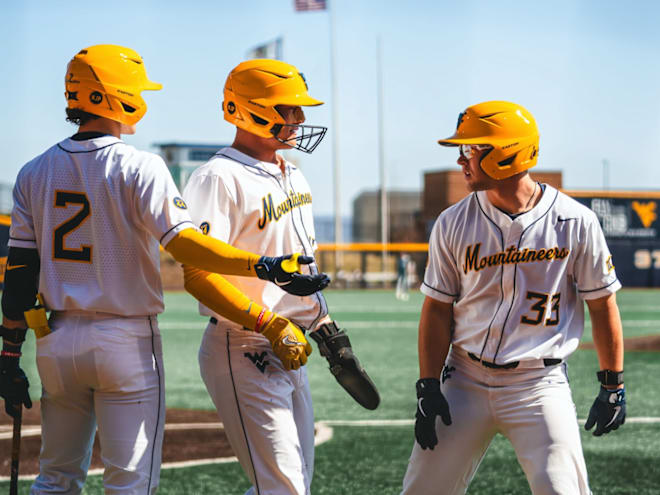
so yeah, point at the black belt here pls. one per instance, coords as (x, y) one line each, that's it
(510, 366)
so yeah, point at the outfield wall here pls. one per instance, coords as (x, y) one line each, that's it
(632, 229)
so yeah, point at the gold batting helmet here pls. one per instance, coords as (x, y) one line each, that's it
(506, 127)
(254, 89)
(106, 80)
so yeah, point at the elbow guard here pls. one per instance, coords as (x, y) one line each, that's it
(21, 282)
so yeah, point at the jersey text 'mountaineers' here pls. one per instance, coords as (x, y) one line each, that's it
(511, 255)
(270, 212)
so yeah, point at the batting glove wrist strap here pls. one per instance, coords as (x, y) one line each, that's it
(608, 411)
(609, 377)
(427, 386)
(12, 336)
(285, 272)
(335, 346)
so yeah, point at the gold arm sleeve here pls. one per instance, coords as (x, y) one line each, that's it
(217, 293)
(206, 253)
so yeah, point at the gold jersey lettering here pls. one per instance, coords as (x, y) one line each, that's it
(270, 212)
(510, 256)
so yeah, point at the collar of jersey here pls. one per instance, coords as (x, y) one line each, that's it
(526, 219)
(88, 144)
(248, 161)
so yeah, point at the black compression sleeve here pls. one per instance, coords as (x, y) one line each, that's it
(21, 282)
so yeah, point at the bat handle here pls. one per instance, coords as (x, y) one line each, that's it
(16, 449)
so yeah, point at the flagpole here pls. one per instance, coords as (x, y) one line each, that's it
(279, 48)
(335, 139)
(384, 214)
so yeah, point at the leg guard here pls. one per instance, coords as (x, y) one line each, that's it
(335, 346)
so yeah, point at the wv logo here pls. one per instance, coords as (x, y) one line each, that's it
(645, 212)
(259, 360)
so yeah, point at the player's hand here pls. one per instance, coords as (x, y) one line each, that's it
(13, 385)
(608, 411)
(286, 273)
(430, 404)
(288, 342)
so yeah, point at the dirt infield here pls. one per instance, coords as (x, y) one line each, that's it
(187, 444)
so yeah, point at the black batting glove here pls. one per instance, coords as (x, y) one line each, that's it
(608, 411)
(284, 271)
(13, 386)
(430, 404)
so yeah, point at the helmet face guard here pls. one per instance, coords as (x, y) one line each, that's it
(509, 129)
(307, 137)
(253, 91)
(107, 80)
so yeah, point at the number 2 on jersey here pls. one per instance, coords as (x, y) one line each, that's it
(60, 252)
(540, 307)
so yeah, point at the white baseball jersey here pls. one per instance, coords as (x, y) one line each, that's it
(267, 410)
(518, 284)
(96, 210)
(252, 205)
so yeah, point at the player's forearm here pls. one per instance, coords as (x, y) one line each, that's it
(218, 294)
(434, 337)
(206, 253)
(607, 332)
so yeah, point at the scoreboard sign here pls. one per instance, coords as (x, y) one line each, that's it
(631, 226)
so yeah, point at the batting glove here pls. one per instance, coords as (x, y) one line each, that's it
(288, 342)
(430, 404)
(608, 411)
(286, 273)
(13, 385)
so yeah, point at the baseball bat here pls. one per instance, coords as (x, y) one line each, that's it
(16, 449)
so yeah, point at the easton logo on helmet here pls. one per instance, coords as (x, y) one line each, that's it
(96, 97)
(231, 108)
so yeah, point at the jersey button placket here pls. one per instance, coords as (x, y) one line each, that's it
(511, 236)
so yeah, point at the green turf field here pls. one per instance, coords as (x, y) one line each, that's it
(372, 459)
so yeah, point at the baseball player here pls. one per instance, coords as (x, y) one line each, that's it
(509, 267)
(249, 196)
(88, 216)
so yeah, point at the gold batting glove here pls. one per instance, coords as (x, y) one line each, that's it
(288, 342)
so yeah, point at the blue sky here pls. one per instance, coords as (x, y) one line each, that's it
(587, 70)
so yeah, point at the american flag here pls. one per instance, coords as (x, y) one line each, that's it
(303, 5)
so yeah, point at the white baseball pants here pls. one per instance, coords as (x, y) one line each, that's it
(106, 371)
(533, 408)
(266, 410)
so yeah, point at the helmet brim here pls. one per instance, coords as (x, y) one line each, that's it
(454, 141)
(293, 100)
(152, 86)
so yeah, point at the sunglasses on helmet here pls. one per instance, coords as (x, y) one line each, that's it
(467, 150)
